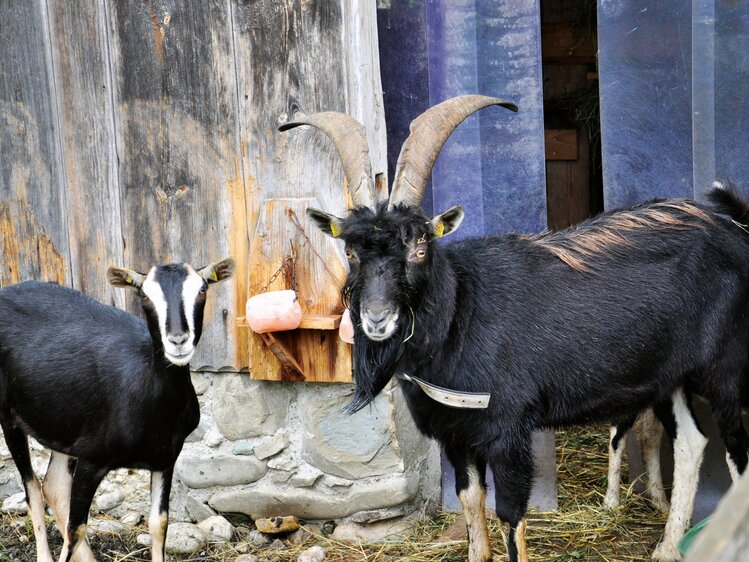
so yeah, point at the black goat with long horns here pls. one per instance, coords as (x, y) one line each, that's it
(588, 324)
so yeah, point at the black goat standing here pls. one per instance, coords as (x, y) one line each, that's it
(592, 323)
(101, 389)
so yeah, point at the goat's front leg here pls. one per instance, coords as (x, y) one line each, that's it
(470, 486)
(86, 479)
(511, 461)
(57, 487)
(158, 519)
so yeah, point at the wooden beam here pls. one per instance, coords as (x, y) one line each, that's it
(566, 43)
(291, 371)
(561, 144)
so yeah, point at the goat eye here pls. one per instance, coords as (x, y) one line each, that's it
(350, 255)
(421, 253)
(202, 292)
(145, 298)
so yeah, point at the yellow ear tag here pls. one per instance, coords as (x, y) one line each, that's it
(335, 229)
(215, 277)
(129, 280)
(439, 229)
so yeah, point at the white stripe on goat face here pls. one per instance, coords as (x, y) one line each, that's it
(178, 346)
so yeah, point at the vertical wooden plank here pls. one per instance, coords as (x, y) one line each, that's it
(180, 189)
(84, 96)
(302, 57)
(33, 238)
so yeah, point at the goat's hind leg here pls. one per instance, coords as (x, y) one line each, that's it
(648, 431)
(18, 445)
(86, 479)
(617, 443)
(57, 488)
(689, 448)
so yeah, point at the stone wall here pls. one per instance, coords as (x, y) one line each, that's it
(267, 448)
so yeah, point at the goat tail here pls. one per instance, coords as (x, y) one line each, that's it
(725, 199)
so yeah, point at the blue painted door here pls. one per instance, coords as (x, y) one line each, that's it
(493, 164)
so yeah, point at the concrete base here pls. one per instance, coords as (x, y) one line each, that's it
(544, 495)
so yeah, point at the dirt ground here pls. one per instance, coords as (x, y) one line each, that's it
(580, 530)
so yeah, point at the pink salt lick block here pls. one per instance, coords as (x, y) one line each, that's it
(346, 329)
(274, 311)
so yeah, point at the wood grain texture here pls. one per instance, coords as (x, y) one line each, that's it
(32, 201)
(86, 113)
(182, 199)
(319, 274)
(298, 58)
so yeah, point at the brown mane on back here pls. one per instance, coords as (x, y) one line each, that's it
(575, 245)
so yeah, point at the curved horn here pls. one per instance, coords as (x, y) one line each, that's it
(429, 132)
(350, 140)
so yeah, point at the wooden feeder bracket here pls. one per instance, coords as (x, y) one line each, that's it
(292, 370)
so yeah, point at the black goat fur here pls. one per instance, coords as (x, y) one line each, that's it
(94, 384)
(594, 323)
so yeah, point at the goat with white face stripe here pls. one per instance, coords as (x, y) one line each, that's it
(173, 297)
(102, 389)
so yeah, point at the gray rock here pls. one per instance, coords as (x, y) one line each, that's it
(15, 504)
(199, 432)
(335, 481)
(307, 503)
(246, 558)
(217, 529)
(378, 514)
(132, 518)
(270, 446)
(213, 438)
(245, 408)
(198, 510)
(277, 544)
(280, 476)
(218, 470)
(243, 447)
(313, 554)
(105, 527)
(184, 538)
(110, 500)
(382, 531)
(305, 477)
(350, 446)
(283, 461)
(258, 538)
(200, 382)
(144, 539)
(298, 536)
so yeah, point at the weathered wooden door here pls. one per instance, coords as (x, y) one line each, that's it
(138, 133)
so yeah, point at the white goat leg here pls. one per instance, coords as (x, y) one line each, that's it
(611, 500)
(689, 448)
(649, 433)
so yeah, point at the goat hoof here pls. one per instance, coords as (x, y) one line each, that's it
(666, 553)
(610, 503)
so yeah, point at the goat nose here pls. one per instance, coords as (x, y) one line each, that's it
(178, 339)
(377, 315)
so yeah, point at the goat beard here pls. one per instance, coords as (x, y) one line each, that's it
(374, 363)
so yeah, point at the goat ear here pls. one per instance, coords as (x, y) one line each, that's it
(329, 224)
(448, 221)
(120, 277)
(218, 271)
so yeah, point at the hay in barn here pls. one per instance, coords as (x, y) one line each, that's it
(580, 530)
